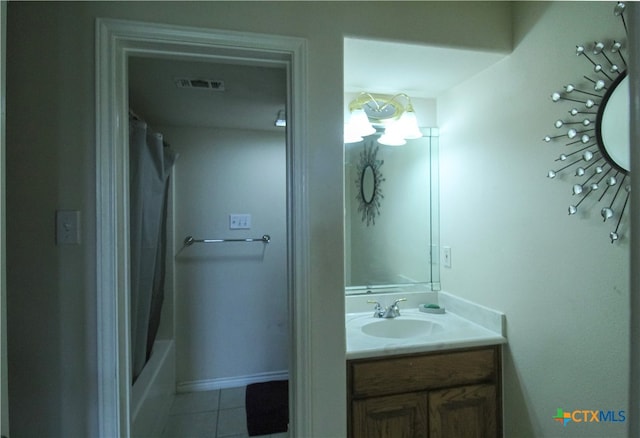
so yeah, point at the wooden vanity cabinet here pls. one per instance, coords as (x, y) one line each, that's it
(455, 393)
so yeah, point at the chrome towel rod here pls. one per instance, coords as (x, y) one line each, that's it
(189, 240)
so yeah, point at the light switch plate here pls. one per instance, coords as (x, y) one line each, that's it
(446, 256)
(67, 227)
(239, 221)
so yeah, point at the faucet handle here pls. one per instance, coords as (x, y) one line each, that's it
(378, 308)
(393, 310)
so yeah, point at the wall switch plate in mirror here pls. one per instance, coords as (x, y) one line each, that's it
(446, 256)
(67, 227)
(240, 221)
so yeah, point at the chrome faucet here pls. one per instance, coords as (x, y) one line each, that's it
(390, 312)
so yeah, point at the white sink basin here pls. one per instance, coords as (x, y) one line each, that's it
(399, 328)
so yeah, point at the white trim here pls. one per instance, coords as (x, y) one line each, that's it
(113, 349)
(115, 41)
(230, 382)
(145, 387)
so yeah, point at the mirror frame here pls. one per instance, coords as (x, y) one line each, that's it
(370, 207)
(597, 171)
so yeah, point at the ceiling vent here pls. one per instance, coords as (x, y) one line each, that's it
(201, 84)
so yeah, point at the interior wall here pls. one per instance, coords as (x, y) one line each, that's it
(51, 164)
(563, 286)
(50, 290)
(232, 314)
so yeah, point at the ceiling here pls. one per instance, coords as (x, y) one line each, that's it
(253, 94)
(251, 99)
(419, 71)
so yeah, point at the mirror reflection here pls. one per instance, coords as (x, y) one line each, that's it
(368, 186)
(394, 247)
(613, 124)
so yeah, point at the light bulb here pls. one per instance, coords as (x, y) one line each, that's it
(359, 123)
(408, 125)
(350, 136)
(392, 136)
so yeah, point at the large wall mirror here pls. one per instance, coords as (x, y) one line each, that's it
(391, 215)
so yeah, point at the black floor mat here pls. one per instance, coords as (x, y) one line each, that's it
(267, 406)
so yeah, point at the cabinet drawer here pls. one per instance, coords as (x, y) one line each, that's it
(422, 372)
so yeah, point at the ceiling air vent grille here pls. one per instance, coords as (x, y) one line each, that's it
(202, 84)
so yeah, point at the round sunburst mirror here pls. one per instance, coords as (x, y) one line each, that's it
(612, 124)
(369, 183)
(596, 132)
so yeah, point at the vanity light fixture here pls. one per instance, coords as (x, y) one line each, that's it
(281, 119)
(368, 110)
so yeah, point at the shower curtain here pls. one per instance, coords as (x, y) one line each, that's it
(150, 165)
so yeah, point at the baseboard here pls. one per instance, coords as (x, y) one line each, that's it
(230, 382)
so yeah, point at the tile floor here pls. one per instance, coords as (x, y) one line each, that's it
(210, 414)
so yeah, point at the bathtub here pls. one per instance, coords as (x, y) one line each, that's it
(153, 391)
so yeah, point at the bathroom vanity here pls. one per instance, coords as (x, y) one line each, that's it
(411, 371)
(445, 381)
(445, 394)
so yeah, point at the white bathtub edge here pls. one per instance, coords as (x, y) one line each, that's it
(153, 392)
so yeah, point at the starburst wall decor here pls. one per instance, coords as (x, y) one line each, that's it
(596, 131)
(369, 183)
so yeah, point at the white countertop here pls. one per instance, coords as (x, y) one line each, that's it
(480, 326)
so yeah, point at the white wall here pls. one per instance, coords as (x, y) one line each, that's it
(231, 298)
(51, 164)
(563, 286)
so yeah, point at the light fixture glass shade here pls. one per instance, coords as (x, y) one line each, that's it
(350, 136)
(409, 125)
(400, 121)
(392, 136)
(359, 124)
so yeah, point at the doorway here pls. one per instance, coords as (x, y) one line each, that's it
(117, 41)
(225, 308)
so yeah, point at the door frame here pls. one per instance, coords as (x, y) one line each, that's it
(116, 40)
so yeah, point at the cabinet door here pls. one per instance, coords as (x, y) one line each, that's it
(393, 416)
(463, 412)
